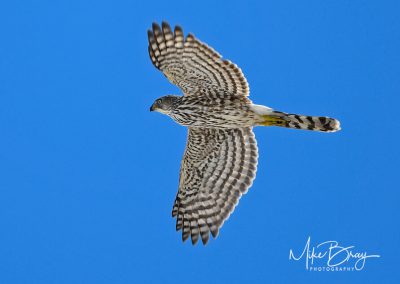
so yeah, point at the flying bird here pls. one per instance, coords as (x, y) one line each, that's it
(220, 160)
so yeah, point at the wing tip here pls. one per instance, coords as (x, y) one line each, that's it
(190, 37)
(155, 26)
(150, 34)
(178, 29)
(165, 25)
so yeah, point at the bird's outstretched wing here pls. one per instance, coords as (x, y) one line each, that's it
(219, 165)
(192, 65)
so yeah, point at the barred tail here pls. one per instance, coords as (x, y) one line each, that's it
(316, 123)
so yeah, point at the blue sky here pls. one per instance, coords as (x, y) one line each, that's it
(88, 176)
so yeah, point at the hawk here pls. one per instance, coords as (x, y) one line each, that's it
(220, 160)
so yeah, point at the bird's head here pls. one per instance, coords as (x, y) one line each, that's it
(165, 104)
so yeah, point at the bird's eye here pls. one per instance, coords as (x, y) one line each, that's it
(159, 102)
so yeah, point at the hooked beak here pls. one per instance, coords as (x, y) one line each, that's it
(152, 108)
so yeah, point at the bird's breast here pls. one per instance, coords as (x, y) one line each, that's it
(214, 116)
